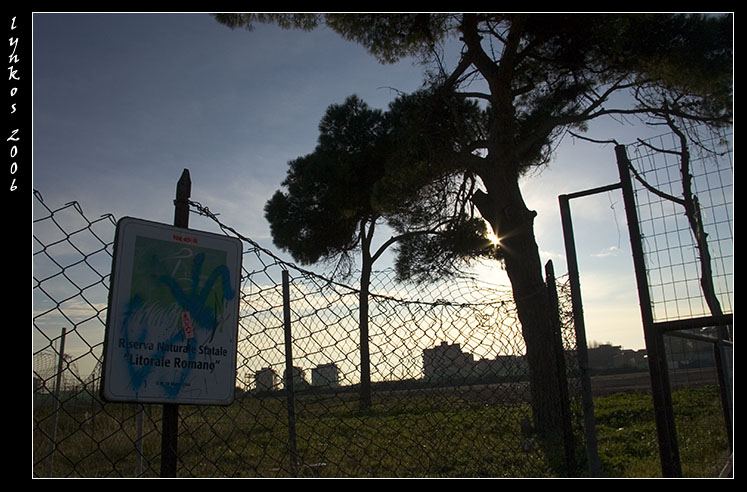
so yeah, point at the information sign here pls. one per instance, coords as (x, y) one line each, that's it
(172, 320)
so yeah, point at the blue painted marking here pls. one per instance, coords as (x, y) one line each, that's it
(193, 302)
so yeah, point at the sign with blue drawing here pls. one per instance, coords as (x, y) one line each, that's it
(173, 316)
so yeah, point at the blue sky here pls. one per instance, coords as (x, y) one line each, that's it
(128, 101)
(124, 102)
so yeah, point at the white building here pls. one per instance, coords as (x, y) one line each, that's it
(326, 375)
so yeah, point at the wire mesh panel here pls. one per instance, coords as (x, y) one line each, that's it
(683, 191)
(692, 358)
(449, 379)
(671, 249)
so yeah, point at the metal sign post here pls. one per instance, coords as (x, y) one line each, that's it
(170, 416)
(172, 322)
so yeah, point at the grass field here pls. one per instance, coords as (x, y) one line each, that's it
(626, 433)
(414, 436)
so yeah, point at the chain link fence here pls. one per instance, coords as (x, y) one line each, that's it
(449, 380)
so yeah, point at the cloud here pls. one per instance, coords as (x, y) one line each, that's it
(610, 251)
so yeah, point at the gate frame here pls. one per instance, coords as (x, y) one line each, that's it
(592, 453)
(660, 386)
(654, 334)
(653, 331)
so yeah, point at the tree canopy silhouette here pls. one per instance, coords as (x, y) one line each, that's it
(372, 167)
(536, 77)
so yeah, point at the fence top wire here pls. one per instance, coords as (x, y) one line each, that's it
(72, 263)
(500, 294)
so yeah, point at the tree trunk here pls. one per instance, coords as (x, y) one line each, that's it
(366, 267)
(365, 395)
(504, 207)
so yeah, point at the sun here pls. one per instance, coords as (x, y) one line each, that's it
(494, 239)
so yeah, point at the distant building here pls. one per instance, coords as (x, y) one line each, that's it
(607, 356)
(266, 380)
(446, 362)
(686, 353)
(299, 379)
(503, 366)
(325, 375)
(634, 359)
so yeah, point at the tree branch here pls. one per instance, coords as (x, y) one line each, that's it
(592, 140)
(394, 239)
(477, 95)
(653, 190)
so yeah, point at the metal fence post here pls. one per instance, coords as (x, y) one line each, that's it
(57, 389)
(139, 440)
(565, 404)
(170, 432)
(655, 350)
(289, 375)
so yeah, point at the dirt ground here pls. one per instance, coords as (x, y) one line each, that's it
(641, 382)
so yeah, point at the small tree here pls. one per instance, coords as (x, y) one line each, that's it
(336, 197)
(691, 205)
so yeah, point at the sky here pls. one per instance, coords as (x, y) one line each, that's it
(122, 103)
